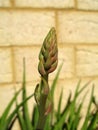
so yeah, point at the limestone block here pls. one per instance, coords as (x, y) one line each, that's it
(65, 56)
(44, 3)
(77, 27)
(87, 61)
(6, 94)
(5, 65)
(31, 58)
(4, 3)
(88, 4)
(24, 28)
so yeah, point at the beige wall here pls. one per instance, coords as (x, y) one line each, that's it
(23, 27)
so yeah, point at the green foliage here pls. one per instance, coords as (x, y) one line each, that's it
(23, 117)
(7, 120)
(67, 119)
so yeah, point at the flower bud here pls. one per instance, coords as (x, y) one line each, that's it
(48, 57)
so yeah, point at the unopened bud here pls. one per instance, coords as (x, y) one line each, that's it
(48, 57)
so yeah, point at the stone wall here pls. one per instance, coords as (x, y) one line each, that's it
(23, 27)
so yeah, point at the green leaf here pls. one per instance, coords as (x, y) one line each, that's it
(59, 124)
(55, 82)
(85, 124)
(12, 123)
(78, 114)
(21, 121)
(83, 87)
(93, 122)
(73, 107)
(25, 106)
(63, 116)
(58, 114)
(72, 115)
(20, 118)
(35, 116)
(48, 123)
(6, 112)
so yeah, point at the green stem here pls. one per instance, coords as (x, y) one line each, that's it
(42, 116)
(41, 107)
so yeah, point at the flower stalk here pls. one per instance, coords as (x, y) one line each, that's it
(48, 60)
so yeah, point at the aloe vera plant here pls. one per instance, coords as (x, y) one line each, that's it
(43, 113)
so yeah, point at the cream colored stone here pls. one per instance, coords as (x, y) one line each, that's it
(6, 94)
(16, 125)
(65, 56)
(4, 3)
(5, 65)
(88, 4)
(24, 27)
(87, 61)
(45, 3)
(31, 59)
(77, 27)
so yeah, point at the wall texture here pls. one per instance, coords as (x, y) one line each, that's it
(23, 27)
